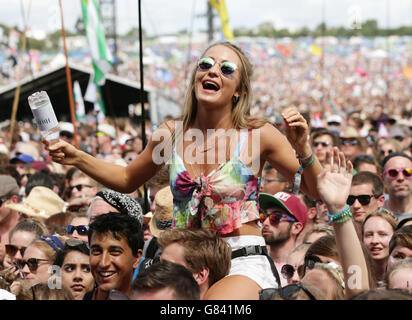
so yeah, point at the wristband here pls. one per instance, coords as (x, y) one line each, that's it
(339, 216)
(306, 162)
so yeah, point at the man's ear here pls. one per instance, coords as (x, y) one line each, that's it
(312, 213)
(14, 198)
(138, 258)
(202, 276)
(381, 201)
(297, 228)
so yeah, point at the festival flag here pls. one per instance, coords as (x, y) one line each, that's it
(220, 6)
(94, 95)
(100, 53)
(78, 101)
(315, 50)
(383, 132)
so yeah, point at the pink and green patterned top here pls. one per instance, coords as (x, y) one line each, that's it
(223, 200)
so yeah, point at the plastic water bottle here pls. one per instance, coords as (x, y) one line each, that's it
(44, 115)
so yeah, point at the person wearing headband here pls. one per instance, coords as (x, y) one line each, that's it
(39, 257)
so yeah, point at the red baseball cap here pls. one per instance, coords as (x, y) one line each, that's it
(287, 201)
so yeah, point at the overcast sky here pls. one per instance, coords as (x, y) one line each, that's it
(165, 16)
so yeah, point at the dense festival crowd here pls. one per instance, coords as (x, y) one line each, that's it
(327, 217)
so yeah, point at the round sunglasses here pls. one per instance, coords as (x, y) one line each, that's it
(364, 199)
(288, 271)
(81, 230)
(226, 67)
(32, 263)
(394, 172)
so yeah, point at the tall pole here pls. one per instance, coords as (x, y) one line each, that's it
(69, 79)
(210, 21)
(322, 58)
(387, 96)
(17, 92)
(143, 113)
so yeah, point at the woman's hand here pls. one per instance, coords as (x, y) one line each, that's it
(62, 152)
(297, 131)
(335, 180)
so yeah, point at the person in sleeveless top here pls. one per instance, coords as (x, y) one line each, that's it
(216, 152)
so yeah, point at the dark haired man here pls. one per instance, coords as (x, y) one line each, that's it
(166, 280)
(116, 243)
(365, 196)
(397, 178)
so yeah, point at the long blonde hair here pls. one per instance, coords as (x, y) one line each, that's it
(241, 118)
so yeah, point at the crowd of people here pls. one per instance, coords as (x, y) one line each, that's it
(325, 214)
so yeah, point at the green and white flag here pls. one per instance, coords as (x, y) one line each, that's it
(99, 51)
(94, 95)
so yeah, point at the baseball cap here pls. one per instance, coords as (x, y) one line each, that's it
(23, 158)
(8, 186)
(287, 201)
(107, 129)
(334, 118)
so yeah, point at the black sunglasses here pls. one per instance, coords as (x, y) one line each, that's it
(11, 250)
(79, 187)
(364, 199)
(310, 261)
(285, 293)
(32, 263)
(288, 271)
(81, 230)
(399, 138)
(323, 143)
(226, 67)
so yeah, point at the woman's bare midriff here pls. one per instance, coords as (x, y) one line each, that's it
(247, 229)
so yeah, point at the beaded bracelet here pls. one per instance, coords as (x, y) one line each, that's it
(341, 216)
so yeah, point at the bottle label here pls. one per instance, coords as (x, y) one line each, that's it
(45, 117)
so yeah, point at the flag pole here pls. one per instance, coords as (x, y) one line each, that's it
(143, 115)
(69, 80)
(17, 93)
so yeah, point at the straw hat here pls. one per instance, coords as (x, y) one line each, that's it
(147, 217)
(163, 215)
(42, 202)
(350, 133)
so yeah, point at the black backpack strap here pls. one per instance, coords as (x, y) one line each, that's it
(257, 250)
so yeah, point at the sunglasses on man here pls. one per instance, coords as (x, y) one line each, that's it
(11, 250)
(349, 142)
(393, 173)
(81, 230)
(32, 263)
(275, 217)
(364, 199)
(226, 67)
(285, 293)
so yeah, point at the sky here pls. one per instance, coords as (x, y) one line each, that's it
(165, 16)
